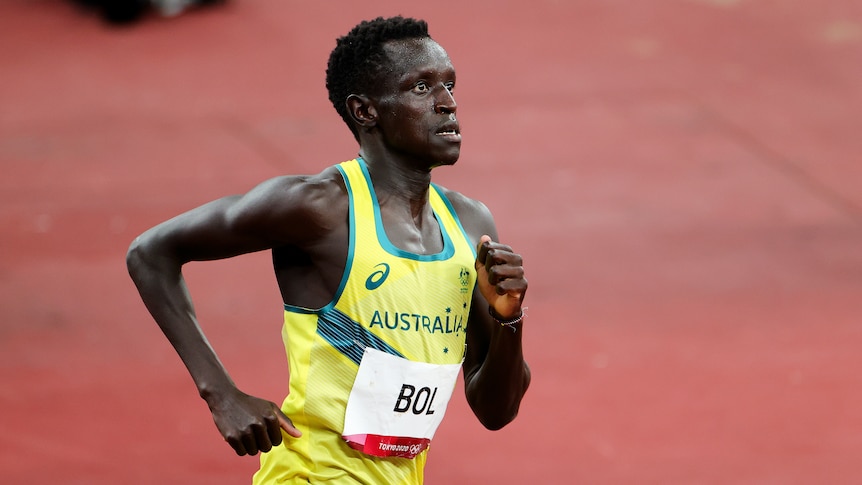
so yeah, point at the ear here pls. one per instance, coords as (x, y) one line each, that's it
(362, 110)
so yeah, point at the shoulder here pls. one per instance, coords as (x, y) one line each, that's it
(474, 215)
(293, 207)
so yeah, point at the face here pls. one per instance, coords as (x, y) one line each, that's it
(416, 108)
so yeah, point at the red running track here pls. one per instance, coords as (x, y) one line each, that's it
(682, 177)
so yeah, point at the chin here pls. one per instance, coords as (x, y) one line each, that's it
(445, 162)
(449, 158)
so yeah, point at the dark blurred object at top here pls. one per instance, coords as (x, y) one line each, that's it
(124, 12)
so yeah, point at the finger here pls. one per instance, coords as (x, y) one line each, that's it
(287, 425)
(261, 437)
(513, 288)
(273, 429)
(250, 444)
(502, 261)
(497, 273)
(237, 445)
(508, 281)
(502, 254)
(482, 249)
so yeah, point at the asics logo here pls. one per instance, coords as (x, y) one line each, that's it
(377, 278)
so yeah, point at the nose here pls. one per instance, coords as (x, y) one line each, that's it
(445, 102)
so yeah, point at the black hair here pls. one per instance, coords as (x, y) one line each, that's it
(358, 58)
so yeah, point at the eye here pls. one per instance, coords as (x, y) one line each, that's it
(450, 87)
(420, 87)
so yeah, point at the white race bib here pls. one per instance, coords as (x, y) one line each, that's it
(396, 405)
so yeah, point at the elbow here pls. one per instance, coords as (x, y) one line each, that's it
(143, 256)
(136, 257)
(497, 409)
(496, 423)
(495, 416)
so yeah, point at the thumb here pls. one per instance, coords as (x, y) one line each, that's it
(286, 424)
(481, 250)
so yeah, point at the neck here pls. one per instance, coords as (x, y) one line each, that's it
(399, 183)
(395, 177)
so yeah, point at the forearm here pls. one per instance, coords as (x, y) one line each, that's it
(162, 288)
(497, 386)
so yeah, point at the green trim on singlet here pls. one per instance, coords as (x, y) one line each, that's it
(448, 248)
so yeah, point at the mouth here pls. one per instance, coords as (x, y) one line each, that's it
(450, 132)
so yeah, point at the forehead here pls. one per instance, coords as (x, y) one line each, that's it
(416, 55)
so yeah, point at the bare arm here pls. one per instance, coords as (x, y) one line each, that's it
(267, 216)
(496, 375)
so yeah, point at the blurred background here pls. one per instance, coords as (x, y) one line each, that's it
(683, 178)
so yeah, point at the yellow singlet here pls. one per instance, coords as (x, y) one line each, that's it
(409, 305)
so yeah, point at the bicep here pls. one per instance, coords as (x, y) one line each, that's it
(204, 233)
(267, 216)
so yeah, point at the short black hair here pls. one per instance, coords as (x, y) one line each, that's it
(358, 58)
